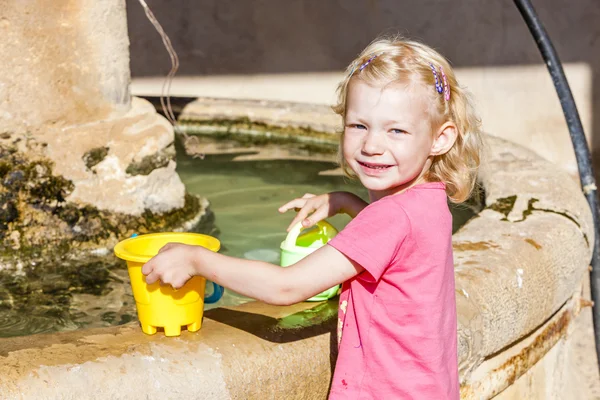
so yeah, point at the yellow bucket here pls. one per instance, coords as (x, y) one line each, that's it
(161, 306)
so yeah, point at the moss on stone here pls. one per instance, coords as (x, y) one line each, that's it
(151, 162)
(8, 210)
(254, 133)
(69, 213)
(4, 169)
(95, 156)
(530, 209)
(504, 205)
(30, 192)
(51, 189)
(33, 179)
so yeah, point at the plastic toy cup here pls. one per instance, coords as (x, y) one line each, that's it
(161, 305)
(297, 246)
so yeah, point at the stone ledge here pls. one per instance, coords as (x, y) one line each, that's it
(240, 353)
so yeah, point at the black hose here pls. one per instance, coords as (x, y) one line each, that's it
(582, 152)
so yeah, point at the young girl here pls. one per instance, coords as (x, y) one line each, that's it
(412, 139)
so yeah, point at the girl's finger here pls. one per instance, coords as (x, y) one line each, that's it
(319, 215)
(151, 278)
(302, 214)
(178, 284)
(147, 268)
(296, 203)
(166, 247)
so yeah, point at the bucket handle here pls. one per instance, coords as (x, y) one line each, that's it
(290, 240)
(216, 294)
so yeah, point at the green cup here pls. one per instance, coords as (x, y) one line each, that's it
(296, 246)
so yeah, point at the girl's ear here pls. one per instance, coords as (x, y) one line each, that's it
(444, 139)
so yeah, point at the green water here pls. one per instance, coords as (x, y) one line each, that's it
(245, 196)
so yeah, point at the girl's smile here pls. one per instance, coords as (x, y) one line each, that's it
(374, 169)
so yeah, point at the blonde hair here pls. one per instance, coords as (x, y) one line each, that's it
(396, 59)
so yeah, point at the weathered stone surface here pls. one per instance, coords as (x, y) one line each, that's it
(242, 353)
(282, 114)
(122, 164)
(67, 63)
(66, 99)
(541, 366)
(525, 254)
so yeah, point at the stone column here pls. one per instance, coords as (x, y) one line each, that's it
(75, 149)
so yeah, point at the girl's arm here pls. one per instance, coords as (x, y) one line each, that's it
(323, 206)
(320, 270)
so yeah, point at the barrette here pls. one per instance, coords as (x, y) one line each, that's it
(438, 85)
(368, 61)
(446, 86)
(441, 87)
(363, 65)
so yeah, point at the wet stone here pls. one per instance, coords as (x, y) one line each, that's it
(8, 209)
(18, 286)
(6, 300)
(14, 179)
(4, 169)
(70, 214)
(54, 284)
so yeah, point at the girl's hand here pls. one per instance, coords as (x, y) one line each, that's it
(312, 209)
(319, 207)
(173, 265)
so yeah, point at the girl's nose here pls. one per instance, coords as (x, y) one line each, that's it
(373, 143)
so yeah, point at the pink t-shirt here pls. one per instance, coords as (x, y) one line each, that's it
(397, 319)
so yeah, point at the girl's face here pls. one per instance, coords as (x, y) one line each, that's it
(388, 138)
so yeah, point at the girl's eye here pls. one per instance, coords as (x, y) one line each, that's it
(358, 126)
(398, 131)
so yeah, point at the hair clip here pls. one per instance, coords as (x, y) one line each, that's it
(363, 65)
(368, 61)
(446, 86)
(438, 86)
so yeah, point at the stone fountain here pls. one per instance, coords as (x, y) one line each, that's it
(82, 163)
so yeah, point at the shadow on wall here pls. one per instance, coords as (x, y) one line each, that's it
(270, 36)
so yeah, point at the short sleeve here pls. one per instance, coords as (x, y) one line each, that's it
(373, 237)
